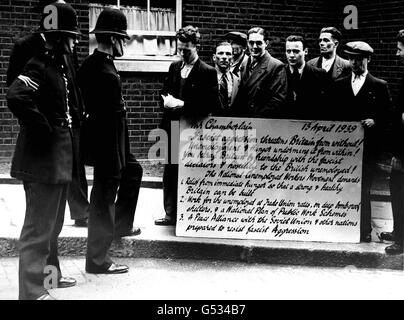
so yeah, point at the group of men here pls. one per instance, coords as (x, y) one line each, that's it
(257, 85)
(69, 116)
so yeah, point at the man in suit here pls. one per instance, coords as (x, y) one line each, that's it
(307, 85)
(44, 99)
(397, 173)
(24, 49)
(117, 174)
(335, 66)
(364, 98)
(190, 92)
(238, 42)
(263, 88)
(228, 81)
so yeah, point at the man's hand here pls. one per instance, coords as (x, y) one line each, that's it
(172, 103)
(368, 123)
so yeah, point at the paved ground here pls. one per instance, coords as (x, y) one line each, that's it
(157, 279)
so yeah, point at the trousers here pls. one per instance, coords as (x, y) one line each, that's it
(113, 204)
(44, 216)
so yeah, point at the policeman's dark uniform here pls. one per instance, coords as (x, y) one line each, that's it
(24, 49)
(106, 147)
(44, 156)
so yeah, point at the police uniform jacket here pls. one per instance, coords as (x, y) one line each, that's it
(45, 145)
(104, 137)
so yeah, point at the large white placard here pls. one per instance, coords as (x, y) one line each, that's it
(270, 179)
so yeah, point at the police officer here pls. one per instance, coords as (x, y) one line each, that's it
(44, 99)
(24, 49)
(106, 145)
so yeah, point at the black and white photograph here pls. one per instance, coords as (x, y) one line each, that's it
(198, 156)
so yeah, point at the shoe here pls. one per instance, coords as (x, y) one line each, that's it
(366, 238)
(114, 268)
(66, 282)
(81, 223)
(164, 222)
(394, 249)
(46, 296)
(387, 236)
(135, 231)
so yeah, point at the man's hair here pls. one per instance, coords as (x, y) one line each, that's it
(400, 36)
(294, 38)
(223, 43)
(189, 34)
(335, 33)
(258, 30)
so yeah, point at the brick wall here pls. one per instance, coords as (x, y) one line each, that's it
(378, 23)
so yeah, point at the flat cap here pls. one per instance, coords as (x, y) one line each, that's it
(237, 37)
(358, 48)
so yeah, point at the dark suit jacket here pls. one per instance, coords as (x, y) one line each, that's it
(105, 138)
(396, 133)
(44, 148)
(340, 69)
(200, 93)
(263, 94)
(373, 101)
(309, 100)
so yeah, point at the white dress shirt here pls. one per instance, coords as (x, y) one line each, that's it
(357, 82)
(327, 64)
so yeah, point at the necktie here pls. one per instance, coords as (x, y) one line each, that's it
(224, 92)
(296, 80)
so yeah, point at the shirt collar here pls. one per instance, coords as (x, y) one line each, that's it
(363, 75)
(299, 69)
(191, 64)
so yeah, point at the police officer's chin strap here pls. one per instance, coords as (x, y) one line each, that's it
(115, 52)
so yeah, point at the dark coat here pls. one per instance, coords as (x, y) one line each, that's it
(44, 148)
(200, 93)
(373, 101)
(340, 69)
(263, 94)
(308, 101)
(229, 112)
(396, 137)
(105, 139)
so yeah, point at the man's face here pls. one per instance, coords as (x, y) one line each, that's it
(295, 53)
(327, 44)
(359, 63)
(256, 45)
(237, 50)
(400, 51)
(71, 42)
(223, 57)
(187, 51)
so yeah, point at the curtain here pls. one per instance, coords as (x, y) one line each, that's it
(161, 19)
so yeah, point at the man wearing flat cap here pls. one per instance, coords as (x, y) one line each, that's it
(366, 99)
(238, 42)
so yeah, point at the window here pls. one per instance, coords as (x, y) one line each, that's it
(152, 26)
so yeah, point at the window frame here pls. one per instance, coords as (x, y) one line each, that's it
(148, 63)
